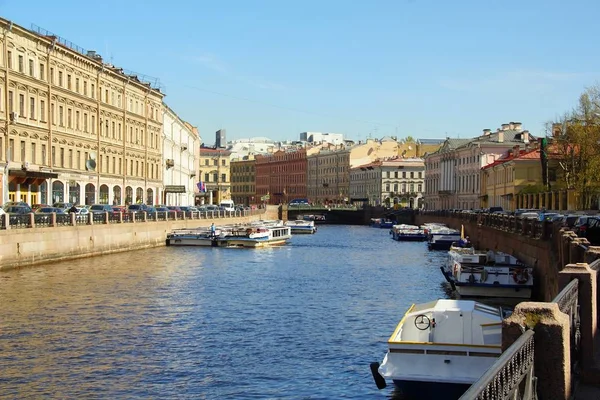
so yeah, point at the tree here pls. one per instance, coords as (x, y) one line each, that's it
(576, 144)
(409, 139)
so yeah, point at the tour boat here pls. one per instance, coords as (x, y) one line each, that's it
(405, 232)
(471, 274)
(440, 348)
(301, 226)
(381, 223)
(251, 236)
(441, 238)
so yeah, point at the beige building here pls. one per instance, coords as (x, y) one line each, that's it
(243, 181)
(73, 128)
(328, 170)
(214, 175)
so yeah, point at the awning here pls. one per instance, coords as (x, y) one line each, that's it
(25, 177)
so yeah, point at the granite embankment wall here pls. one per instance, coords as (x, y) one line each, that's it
(537, 252)
(31, 246)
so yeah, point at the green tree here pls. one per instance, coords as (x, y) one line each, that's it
(409, 139)
(576, 144)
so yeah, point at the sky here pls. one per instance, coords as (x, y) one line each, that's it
(420, 68)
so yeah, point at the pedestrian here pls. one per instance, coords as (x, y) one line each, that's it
(213, 230)
(73, 209)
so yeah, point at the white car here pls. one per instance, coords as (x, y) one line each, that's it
(83, 210)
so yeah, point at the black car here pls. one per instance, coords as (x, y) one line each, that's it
(591, 230)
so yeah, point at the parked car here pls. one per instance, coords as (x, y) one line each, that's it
(49, 210)
(299, 202)
(101, 208)
(579, 227)
(82, 210)
(18, 204)
(592, 230)
(136, 207)
(64, 206)
(174, 208)
(162, 209)
(17, 210)
(36, 206)
(569, 220)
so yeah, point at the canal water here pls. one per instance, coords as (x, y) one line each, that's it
(302, 321)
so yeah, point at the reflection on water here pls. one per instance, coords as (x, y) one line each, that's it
(299, 321)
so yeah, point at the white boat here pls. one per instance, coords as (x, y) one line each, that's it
(471, 274)
(441, 348)
(441, 237)
(301, 226)
(253, 235)
(404, 232)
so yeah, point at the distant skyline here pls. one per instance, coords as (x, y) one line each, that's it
(426, 69)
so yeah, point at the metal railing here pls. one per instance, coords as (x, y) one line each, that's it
(511, 376)
(32, 220)
(568, 303)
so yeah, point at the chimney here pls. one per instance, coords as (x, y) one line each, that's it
(486, 132)
(505, 127)
(511, 125)
(501, 137)
(517, 126)
(525, 136)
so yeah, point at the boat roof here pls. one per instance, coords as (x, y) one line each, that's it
(455, 305)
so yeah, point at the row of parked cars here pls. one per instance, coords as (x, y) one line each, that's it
(19, 208)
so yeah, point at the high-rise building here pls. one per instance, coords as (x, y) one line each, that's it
(220, 139)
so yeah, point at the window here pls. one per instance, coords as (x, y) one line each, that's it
(85, 88)
(21, 64)
(22, 150)
(113, 131)
(11, 149)
(223, 177)
(77, 120)
(43, 154)
(223, 162)
(69, 118)
(52, 114)
(93, 124)
(215, 162)
(106, 96)
(42, 71)
(60, 78)
(120, 137)
(42, 111)
(206, 162)
(31, 72)
(53, 156)
(77, 85)
(32, 107)
(22, 105)
(216, 177)
(85, 122)
(78, 159)
(70, 158)
(106, 128)
(62, 157)
(69, 82)
(9, 55)
(52, 75)
(119, 101)
(10, 101)
(206, 178)
(412, 174)
(61, 117)
(93, 91)
(33, 155)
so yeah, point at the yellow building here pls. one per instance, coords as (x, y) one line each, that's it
(214, 174)
(73, 128)
(243, 181)
(512, 174)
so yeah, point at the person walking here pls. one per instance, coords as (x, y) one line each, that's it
(73, 209)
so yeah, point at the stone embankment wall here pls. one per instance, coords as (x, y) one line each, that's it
(31, 246)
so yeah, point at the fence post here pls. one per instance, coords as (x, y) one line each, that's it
(552, 345)
(587, 303)
(577, 250)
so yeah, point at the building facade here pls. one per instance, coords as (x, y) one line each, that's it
(328, 176)
(365, 184)
(281, 176)
(214, 175)
(181, 152)
(402, 182)
(75, 129)
(453, 173)
(243, 181)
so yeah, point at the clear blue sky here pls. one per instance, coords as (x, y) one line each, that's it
(423, 68)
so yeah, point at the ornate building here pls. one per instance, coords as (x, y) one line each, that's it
(214, 175)
(75, 129)
(243, 181)
(181, 151)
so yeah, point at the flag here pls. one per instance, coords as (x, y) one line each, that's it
(201, 186)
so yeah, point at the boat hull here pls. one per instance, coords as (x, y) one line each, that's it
(512, 291)
(303, 231)
(440, 245)
(408, 238)
(430, 390)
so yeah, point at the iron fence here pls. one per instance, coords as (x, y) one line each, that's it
(568, 303)
(511, 376)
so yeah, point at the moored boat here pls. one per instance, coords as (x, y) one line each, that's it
(300, 226)
(440, 348)
(441, 237)
(254, 235)
(475, 273)
(381, 223)
(404, 232)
